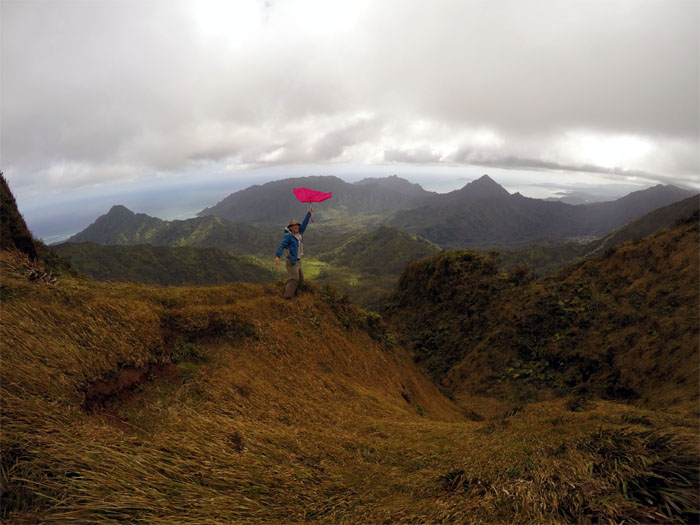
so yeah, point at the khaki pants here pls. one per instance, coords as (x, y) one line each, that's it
(295, 278)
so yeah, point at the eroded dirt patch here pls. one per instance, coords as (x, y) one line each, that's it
(105, 393)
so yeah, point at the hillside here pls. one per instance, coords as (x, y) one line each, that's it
(354, 207)
(623, 326)
(163, 265)
(383, 251)
(121, 226)
(222, 359)
(483, 215)
(363, 265)
(132, 403)
(204, 404)
(367, 265)
(13, 230)
(648, 224)
(545, 259)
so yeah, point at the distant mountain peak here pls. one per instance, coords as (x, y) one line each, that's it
(272, 203)
(121, 210)
(392, 179)
(485, 188)
(110, 228)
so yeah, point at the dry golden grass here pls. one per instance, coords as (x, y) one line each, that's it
(260, 410)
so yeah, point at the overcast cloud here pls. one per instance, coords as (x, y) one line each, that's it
(111, 90)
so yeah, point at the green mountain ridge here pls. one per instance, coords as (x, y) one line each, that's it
(121, 226)
(483, 215)
(363, 265)
(545, 259)
(164, 265)
(383, 251)
(648, 224)
(354, 207)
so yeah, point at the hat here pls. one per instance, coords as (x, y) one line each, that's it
(293, 222)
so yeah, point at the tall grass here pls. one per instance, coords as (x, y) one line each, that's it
(277, 412)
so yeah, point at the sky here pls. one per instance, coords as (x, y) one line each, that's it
(108, 99)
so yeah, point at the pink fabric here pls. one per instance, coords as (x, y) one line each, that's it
(307, 195)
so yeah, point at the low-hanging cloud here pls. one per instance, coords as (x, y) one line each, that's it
(420, 156)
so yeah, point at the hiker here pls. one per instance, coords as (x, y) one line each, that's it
(294, 245)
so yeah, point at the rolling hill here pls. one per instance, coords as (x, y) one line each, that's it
(367, 266)
(165, 265)
(383, 251)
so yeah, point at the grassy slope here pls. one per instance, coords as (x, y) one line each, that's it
(367, 265)
(364, 266)
(271, 411)
(621, 326)
(383, 251)
(167, 265)
(260, 385)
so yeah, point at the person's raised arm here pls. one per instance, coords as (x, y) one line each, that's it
(305, 222)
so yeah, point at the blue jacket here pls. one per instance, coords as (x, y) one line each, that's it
(290, 242)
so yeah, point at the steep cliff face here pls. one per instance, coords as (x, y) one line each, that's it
(14, 233)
